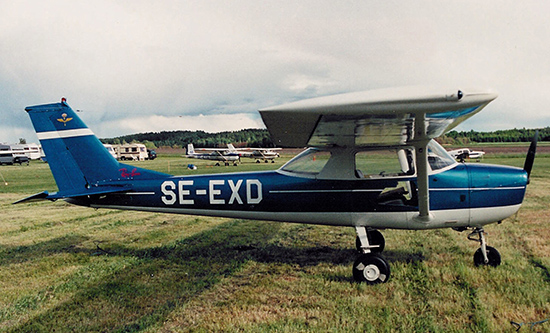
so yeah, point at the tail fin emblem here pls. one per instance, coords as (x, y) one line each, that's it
(64, 119)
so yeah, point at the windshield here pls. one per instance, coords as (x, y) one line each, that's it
(310, 161)
(438, 156)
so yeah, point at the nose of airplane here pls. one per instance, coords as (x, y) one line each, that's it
(493, 186)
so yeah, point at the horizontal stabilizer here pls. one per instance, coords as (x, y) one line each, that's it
(35, 197)
(68, 194)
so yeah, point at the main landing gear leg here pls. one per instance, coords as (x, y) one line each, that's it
(485, 255)
(370, 267)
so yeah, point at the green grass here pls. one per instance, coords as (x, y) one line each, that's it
(66, 268)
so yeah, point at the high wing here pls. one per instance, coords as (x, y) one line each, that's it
(385, 117)
(257, 153)
(410, 116)
(212, 149)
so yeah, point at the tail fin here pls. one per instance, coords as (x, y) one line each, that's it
(231, 148)
(190, 149)
(77, 159)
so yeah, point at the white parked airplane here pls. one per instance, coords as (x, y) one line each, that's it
(213, 154)
(265, 154)
(464, 153)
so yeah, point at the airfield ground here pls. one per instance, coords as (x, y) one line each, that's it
(65, 268)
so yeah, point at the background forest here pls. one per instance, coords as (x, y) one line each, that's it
(261, 138)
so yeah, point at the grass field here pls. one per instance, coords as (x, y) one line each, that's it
(65, 268)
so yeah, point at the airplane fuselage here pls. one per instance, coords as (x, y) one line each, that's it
(215, 157)
(465, 195)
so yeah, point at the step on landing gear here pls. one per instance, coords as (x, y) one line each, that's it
(485, 255)
(370, 267)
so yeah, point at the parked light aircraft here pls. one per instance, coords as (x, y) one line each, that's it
(464, 153)
(214, 154)
(372, 164)
(266, 154)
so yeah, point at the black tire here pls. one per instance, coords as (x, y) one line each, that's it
(371, 268)
(375, 238)
(492, 255)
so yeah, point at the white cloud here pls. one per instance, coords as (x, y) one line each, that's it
(121, 60)
(155, 123)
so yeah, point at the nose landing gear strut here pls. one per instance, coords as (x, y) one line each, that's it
(485, 255)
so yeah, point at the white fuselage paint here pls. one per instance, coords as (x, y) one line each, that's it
(450, 218)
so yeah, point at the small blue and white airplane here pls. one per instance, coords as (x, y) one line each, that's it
(372, 164)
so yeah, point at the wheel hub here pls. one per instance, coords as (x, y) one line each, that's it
(371, 272)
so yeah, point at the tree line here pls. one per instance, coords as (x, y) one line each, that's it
(500, 136)
(179, 139)
(261, 138)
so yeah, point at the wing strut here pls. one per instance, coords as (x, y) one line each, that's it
(421, 151)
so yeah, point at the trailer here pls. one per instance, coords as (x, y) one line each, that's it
(32, 150)
(111, 150)
(131, 151)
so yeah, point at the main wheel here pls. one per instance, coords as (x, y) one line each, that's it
(375, 238)
(492, 255)
(371, 268)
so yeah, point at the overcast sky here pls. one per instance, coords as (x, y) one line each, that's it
(142, 66)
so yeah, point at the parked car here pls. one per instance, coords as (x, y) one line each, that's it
(8, 156)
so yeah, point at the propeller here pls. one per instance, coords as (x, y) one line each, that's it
(530, 159)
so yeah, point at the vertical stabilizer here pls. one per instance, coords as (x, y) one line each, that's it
(190, 149)
(77, 159)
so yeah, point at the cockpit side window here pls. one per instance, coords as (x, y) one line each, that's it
(384, 163)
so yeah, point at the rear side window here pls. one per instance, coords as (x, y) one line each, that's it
(384, 163)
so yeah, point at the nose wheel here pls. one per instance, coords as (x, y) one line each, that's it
(485, 255)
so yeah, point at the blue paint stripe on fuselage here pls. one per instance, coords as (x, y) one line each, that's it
(275, 192)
